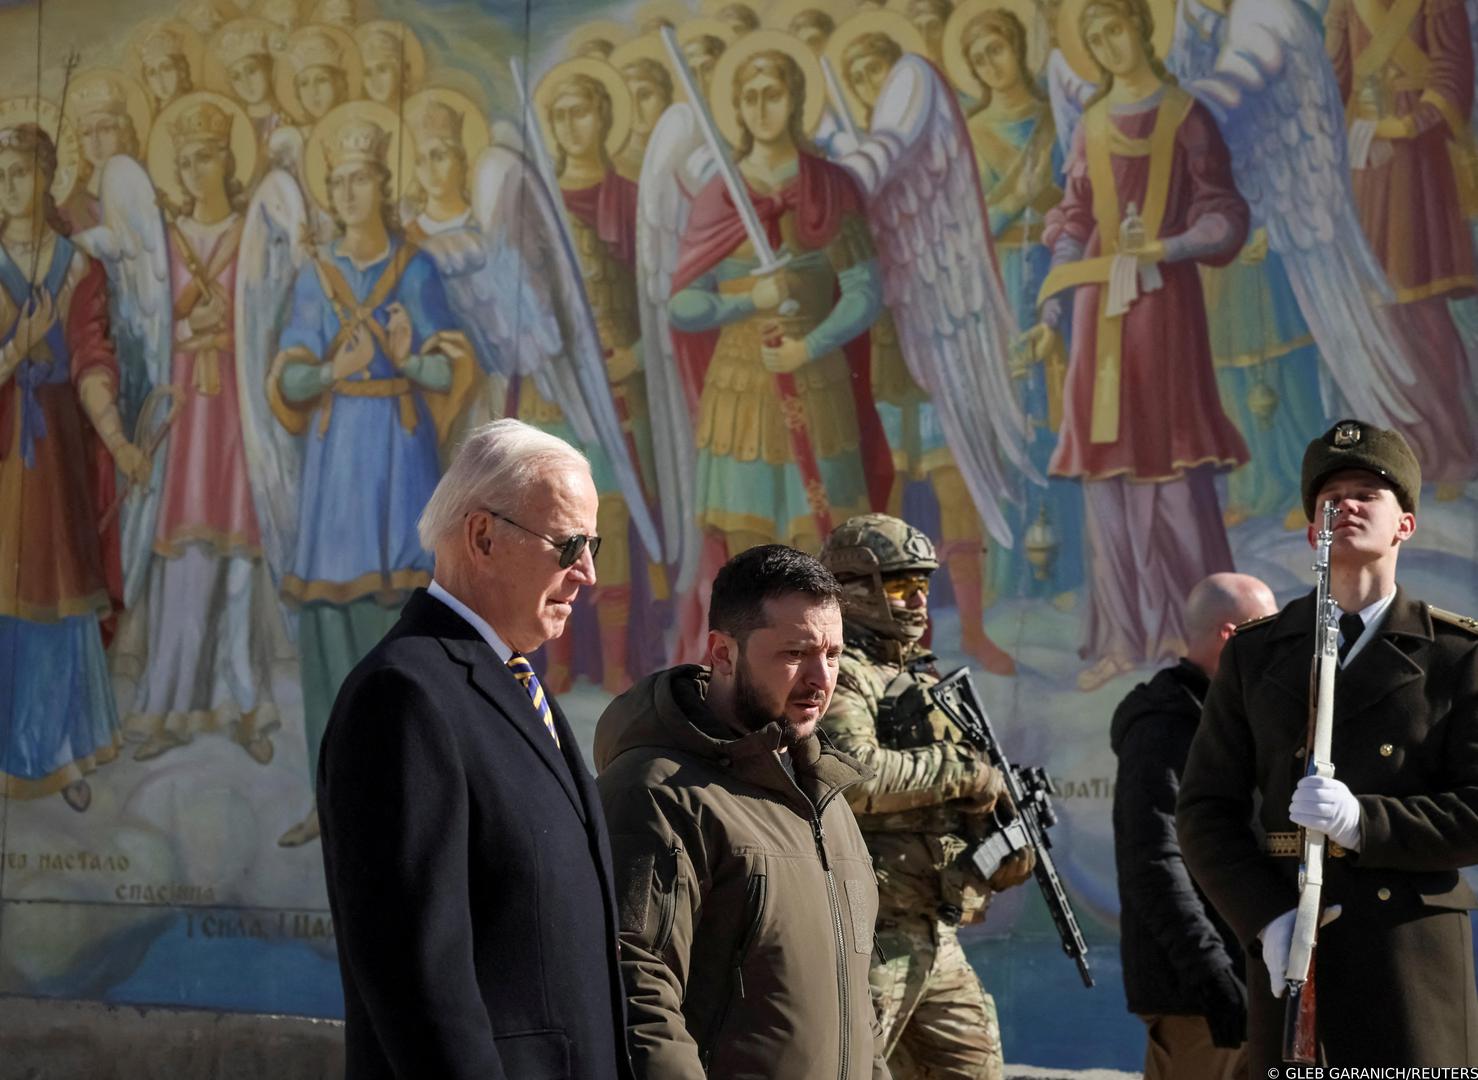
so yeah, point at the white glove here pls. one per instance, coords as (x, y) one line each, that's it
(1326, 805)
(1277, 938)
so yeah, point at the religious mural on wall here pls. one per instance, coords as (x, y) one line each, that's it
(1068, 283)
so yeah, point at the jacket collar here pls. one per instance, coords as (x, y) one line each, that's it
(1390, 661)
(492, 679)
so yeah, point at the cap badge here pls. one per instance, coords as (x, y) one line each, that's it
(1346, 435)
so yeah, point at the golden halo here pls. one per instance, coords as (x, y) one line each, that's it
(475, 134)
(710, 9)
(289, 14)
(315, 162)
(31, 110)
(1073, 47)
(598, 30)
(891, 25)
(650, 16)
(607, 76)
(648, 47)
(781, 14)
(136, 99)
(413, 55)
(284, 78)
(190, 40)
(216, 76)
(696, 28)
(956, 64)
(721, 88)
(161, 156)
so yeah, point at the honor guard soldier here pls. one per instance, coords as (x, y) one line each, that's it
(929, 801)
(1394, 970)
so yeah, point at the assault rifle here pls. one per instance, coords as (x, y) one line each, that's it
(1030, 791)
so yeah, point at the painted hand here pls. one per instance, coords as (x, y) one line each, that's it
(209, 313)
(354, 355)
(1326, 805)
(35, 321)
(786, 357)
(399, 328)
(133, 464)
(1043, 341)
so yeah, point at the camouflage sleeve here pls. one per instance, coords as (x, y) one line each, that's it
(902, 779)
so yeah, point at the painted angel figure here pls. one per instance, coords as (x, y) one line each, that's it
(1267, 362)
(61, 436)
(482, 213)
(363, 369)
(245, 50)
(112, 117)
(1263, 72)
(1149, 195)
(1406, 80)
(585, 112)
(877, 54)
(986, 54)
(192, 546)
(765, 374)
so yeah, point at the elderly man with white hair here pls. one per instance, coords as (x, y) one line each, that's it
(467, 861)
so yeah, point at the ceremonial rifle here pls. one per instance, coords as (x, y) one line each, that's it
(1298, 1016)
(1030, 793)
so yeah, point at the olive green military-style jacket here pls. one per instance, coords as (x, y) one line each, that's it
(1394, 972)
(880, 714)
(745, 893)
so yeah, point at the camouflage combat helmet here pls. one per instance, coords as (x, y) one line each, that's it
(860, 551)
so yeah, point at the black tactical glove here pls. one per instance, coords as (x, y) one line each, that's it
(1224, 1004)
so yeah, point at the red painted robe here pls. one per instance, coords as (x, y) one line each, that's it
(1409, 205)
(56, 480)
(820, 196)
(1170, 414)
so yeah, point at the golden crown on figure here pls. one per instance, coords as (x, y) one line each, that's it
(315, 46)
(200, 116)
(161, 43)
(101, 93)
(355, 133)
(441, 115)
(245, 37)
(386, 39)
(203, 121)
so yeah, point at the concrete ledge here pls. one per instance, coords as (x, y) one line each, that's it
(46, 1039)
(42, 1039)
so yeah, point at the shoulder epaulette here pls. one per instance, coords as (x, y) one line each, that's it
(1452, 618)
(1251, 623)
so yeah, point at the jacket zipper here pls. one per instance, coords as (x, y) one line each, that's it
(841, 941)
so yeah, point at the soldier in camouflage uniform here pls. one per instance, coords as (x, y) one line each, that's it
(929, 801)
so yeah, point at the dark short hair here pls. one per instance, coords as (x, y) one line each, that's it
(765, 573)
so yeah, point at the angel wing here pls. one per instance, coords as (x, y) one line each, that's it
(1068, 93)
(130, 243)
(1263, 72)
(940, 279)
(675, 167)
(273, 247)
(516, 288)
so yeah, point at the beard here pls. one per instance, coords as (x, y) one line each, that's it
(753, 711)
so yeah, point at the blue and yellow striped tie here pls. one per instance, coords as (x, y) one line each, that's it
(523, 671)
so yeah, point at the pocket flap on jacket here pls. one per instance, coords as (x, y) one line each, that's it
(1458, 898)
(535, 1055)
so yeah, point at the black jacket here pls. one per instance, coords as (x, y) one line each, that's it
(1170, 939)
(468, 870)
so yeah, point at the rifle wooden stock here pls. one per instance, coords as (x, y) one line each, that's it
(1299, 1044)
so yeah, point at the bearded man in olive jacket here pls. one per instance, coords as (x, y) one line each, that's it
(1394, 970)
(745, 891)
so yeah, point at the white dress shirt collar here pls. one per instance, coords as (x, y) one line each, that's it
(476, 621)
(1372, 616)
